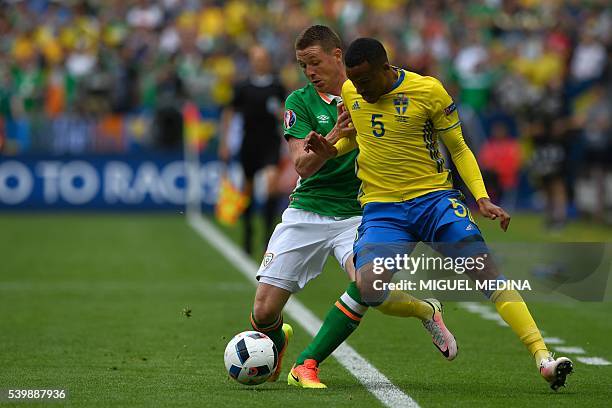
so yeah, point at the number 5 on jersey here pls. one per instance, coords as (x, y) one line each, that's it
(460, 209)
(378, 128)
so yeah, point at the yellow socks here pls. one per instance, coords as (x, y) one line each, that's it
(509, 305)
(401, 304)
(512, 308)
(541, 355)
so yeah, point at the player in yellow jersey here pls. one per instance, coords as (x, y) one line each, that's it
(407, 193)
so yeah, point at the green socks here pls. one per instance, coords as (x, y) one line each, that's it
(341, 320)
(274, 331)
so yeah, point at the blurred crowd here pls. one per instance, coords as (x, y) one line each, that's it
(532, 77)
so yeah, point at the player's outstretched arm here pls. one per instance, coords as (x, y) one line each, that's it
(470, 173)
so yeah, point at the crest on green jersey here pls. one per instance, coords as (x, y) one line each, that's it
(289, 119)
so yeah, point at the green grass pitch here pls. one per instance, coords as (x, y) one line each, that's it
(94, 304)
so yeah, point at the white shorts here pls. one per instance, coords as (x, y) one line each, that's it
(300, 245)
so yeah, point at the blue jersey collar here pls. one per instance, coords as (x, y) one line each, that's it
(399, 80)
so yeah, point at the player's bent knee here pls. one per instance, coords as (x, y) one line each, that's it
(488, 272)
(368, 295)
(374, 303)
(368, 292)
(269, 302)
(265, 312)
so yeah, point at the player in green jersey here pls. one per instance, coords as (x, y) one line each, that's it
(321, 220)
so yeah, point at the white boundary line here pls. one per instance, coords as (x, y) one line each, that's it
(487, 313)
(597, 361)
(368, 375)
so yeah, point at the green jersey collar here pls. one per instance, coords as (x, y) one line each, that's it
(328, 98)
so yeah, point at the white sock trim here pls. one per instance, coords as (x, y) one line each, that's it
(353, 305)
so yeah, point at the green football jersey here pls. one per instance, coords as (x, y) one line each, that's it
(331, 191)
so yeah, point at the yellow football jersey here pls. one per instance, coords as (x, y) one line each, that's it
(397, 137)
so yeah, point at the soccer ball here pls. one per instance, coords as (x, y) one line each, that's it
(250, 358)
